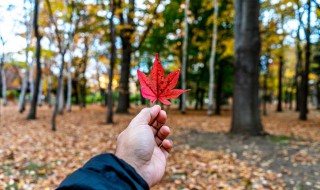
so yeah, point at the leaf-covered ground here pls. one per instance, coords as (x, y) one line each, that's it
(34, 157)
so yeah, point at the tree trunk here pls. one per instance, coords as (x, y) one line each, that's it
(40, 93)
(246, 116)
(112, 63)
(56, 107)
(202, 98)
(33, 108)
(197, 96)
(61, 95)
(69, 94)
(305, 73)
(49, 90)
(83, 80)
(27, 22)
(265, 93)
(219, 90)
(318, 95)
(298, 71)
(4, 87)
(22, 102)
(212, 58)
(280, 72)
(31, 80)
(184, 59)
(123, 100)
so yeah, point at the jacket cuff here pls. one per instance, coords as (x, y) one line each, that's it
(109, 162)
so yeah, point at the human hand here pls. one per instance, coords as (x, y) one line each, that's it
(144, 146)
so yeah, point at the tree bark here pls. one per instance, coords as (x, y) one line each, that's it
(265, 93)
(39, 103)
(83, 80)
(33, 108)
(22, 102)
(24, 88)
(49, 90)
(69, 94)
(318, 95)
(126, 35)
(112, 63)
(298, 71)
(123, 101)
(246, 116)
(56, 107)
(305, 73)
(31, 78)
(219, 90)
(61, 94)
(4, 87)
(184, 58)
(280, 73)
(212, 58)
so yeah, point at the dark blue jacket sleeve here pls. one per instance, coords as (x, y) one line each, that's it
(104, 171)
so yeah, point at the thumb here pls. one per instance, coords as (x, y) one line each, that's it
(147, 116)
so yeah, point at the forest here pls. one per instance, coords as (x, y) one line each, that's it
(69, 85)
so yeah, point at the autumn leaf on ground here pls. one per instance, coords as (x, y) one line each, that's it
(158, 87)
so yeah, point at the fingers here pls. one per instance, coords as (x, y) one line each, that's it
(147, 115)
(159, 121)
(166, 147)
(162, 134)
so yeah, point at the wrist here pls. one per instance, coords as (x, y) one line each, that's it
(136, 166)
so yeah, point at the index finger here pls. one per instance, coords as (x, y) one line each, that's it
(159, 121)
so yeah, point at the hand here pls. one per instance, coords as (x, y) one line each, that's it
(144, 146)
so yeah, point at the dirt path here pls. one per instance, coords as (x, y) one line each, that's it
(297, 162)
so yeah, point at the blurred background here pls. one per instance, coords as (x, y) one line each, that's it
(253, 68)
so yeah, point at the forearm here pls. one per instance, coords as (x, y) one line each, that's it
(105, 171)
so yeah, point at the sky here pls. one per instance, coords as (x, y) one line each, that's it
(9, 25)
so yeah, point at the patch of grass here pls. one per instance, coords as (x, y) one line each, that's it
(280, 139)
(37, 170)
(6, 169)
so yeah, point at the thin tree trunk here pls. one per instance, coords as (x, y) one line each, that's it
(202, 98)
(40, 93)
(112, 63)
(246, 116)
(83, 81)
(61, 96)
(24, 88)
(22, 102)
(101, 90)
(305, 73)
(49, 90)
(69, 94)
(33, 108)
(280, 73)
(298, 71)
(184, 58)
(318, 94)
(265, 93)
(31, 80)
(4, 87)
(212, 58)
(56, 107)
(197, 96)
(219, 89)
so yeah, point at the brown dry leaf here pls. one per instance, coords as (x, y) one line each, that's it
(34, 157)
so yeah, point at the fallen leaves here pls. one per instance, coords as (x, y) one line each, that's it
(34, 157)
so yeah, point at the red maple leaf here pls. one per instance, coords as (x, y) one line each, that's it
(158, 87)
